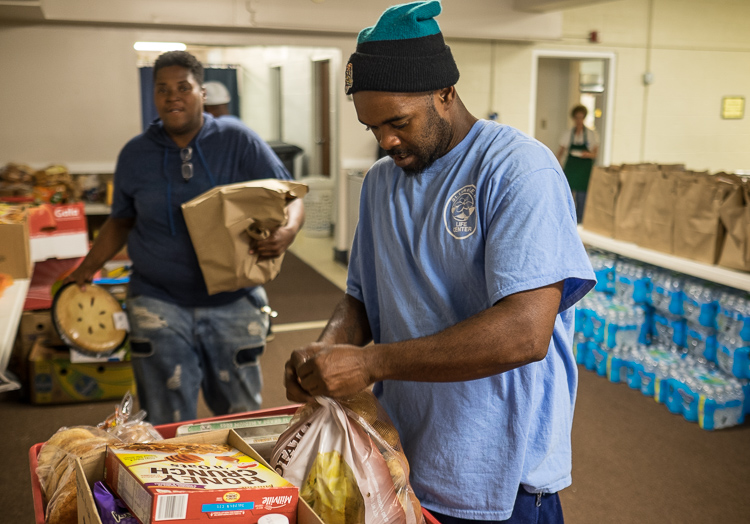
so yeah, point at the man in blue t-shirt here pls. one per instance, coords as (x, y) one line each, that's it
(464, 269)
(182, 339)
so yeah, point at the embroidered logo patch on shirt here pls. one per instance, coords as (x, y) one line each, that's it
(459, 215)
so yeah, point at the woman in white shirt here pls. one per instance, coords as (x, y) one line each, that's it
(578, 149)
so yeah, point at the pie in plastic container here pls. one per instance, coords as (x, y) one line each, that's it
(91, 321)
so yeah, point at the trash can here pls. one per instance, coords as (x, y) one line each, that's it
(318, 206)
(287, 153)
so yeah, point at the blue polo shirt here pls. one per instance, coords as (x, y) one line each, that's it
(491, 218)
(149, 188)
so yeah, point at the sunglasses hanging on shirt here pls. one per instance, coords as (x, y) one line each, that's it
(186, 154)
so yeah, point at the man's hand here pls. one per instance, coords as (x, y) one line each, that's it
(326, 370)
(276, 244)
(81, 276)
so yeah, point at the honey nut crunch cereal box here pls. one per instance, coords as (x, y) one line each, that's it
(196, 483)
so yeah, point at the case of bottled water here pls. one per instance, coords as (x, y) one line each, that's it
(733, 313)
(620, 364)
(670, 329)
(666, 291)
(623, 325)
(706, 395)
(597, 358)
(580, 348)
(701, 341)
(604, 269)
(700, 303)
(633, 282)
(733, 354)
(652, 365)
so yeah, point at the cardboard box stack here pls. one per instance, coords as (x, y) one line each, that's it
(43, 237)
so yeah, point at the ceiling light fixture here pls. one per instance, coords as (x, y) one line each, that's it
(159, 46)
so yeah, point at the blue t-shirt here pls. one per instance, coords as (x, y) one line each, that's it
(150, 188)
(491, 218)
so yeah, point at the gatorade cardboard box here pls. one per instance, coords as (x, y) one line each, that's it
(197, 482)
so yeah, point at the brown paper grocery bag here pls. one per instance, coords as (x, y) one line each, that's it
(658, 212)
(599, 213)
(735, 217)
(635, 181)
(698, 231)
(223, 222)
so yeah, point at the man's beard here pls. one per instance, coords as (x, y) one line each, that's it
(431, 144)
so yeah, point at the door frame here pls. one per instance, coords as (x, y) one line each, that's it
(606, 153)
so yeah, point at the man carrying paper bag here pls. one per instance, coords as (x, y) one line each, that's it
(184, 339)
(225, 224)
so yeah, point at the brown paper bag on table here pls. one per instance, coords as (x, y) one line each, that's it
(599, 213)
(735, 217)
(698, 231)
(223, 222)
(658, 212)
(635, 181)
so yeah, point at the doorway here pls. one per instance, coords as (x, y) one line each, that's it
(322, 89)
(564, 79)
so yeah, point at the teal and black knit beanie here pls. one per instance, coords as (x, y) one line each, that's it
(403, 53)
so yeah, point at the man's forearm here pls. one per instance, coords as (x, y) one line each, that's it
(111, 239)
(295, 215)
(348, 324)
(508, 335)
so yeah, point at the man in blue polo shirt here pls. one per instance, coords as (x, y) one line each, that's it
(464, 270)
(182, 339)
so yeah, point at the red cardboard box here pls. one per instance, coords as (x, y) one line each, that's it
(58, 231)
(45, 275)
(198, 481)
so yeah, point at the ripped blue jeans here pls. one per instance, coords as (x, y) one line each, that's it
(177, 351)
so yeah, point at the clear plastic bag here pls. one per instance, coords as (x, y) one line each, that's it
(56, 460)
(128, 426)
(346, 458)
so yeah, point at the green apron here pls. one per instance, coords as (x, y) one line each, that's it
(578, 170)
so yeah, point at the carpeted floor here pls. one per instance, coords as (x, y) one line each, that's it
(301, 294)
(633, 461)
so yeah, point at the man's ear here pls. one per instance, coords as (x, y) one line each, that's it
(447, 96)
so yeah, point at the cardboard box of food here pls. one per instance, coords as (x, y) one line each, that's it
(260, 432)
(15, 253)
(53, 379)
(58, 231)
(92, 469)
(35, 324)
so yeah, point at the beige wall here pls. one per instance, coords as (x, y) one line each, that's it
(70, 93)
(700, 51)
(74, 95)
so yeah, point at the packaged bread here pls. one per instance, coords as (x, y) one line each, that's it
(56, 469)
